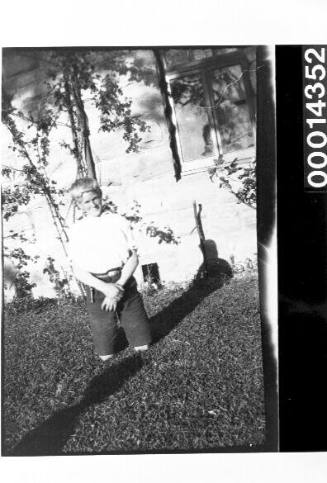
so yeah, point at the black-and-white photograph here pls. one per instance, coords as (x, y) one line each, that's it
(136, 314)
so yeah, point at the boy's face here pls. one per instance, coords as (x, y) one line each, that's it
(91, 203)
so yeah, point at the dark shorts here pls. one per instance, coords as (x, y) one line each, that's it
(132, 318)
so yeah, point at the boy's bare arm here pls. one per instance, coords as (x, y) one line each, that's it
(108, 289)
(129, 268)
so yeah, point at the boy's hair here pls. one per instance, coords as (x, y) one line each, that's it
(84, 185)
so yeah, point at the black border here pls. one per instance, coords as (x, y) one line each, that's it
(302, 243)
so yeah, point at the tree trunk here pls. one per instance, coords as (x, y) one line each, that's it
(83, 121)
(168, 114)
(199, 227)
(81, 169)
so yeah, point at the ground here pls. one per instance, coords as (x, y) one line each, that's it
(199, 387)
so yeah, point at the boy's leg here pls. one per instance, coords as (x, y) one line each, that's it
(134, 319)
(103, 325)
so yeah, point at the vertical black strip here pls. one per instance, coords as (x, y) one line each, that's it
(302, 258)
(266, 218)
(314, 118)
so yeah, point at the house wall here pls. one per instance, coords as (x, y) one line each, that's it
(146, 177)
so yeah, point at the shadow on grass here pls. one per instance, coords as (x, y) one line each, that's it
(211, 275)
(50, 437)
(218, 272)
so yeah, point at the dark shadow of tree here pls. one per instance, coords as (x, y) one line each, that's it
(168, 318)
(50, 437)
(212, 275)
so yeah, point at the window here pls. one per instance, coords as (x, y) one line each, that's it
(213, 103)
(231, 109)
(192, 117)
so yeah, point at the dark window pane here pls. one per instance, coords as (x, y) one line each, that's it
(231, 109)
(195, 133)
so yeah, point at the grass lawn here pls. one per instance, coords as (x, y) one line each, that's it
(199, 387)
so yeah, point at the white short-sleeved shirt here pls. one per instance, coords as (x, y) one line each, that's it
(98, 244)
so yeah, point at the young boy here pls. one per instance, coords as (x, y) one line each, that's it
(104, 258)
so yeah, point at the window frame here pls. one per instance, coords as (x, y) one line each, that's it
(204, 69)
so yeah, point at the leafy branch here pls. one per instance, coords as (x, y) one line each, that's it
(231, 174)
(34, 180)
(74, 76)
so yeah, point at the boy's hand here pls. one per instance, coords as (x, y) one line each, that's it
(112, 296)
(109, 303)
